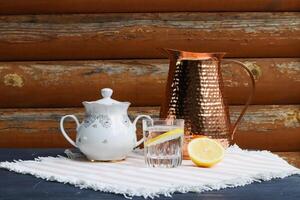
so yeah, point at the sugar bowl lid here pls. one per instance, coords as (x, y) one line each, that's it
(106, 100)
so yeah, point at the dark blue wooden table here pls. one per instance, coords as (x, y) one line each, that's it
(18, 186)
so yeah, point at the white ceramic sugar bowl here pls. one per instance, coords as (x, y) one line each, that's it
(106, 134)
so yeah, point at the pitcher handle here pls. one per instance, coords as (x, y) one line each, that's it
(134, 124)
(234, 127)
(63, 130)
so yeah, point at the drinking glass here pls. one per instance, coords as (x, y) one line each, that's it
(163, 141)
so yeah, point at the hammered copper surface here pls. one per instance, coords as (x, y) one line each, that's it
(195, 93)
(197, 98)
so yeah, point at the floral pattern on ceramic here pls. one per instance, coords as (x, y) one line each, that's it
(104, 120)
(89, 120)
(126, 120)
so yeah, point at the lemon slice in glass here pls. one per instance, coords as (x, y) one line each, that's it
(167, 136)
(205, 152)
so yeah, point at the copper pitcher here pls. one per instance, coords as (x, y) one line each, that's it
(195, 92)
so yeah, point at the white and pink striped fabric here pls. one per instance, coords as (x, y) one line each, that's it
(132, 178)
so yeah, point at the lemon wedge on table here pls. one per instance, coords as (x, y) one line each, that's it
(205, 152)
(167, 136)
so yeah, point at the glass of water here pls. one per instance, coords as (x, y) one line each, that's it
(163, 141)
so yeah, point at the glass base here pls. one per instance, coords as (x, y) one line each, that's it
(164, 162)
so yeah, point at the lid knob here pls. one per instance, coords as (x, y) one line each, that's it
(106, 92)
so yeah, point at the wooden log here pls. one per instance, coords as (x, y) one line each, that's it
(104, 6)
(140, 35)
(142, 82)
(275, 128)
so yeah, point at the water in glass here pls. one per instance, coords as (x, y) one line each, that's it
(164, 150)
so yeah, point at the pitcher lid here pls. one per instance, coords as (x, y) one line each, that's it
(107, 100)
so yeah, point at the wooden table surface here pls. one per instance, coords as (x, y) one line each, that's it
(18, 186)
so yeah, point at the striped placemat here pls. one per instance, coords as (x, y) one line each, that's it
(132, 178)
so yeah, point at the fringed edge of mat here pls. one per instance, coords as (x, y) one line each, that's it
(241, 181)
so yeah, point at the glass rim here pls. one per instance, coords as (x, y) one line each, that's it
(162, 119)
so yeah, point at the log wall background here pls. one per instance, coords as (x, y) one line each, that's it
(55, 54)
(140, 35)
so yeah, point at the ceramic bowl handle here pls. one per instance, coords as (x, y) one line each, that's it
(63, 130)
(134, 123)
